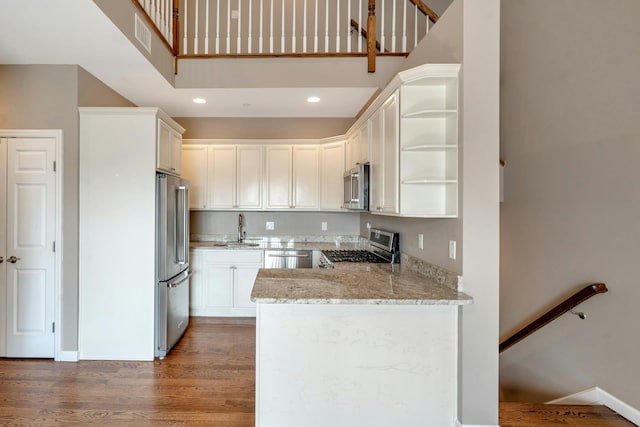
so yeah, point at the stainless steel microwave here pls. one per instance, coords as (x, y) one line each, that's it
(356, 188)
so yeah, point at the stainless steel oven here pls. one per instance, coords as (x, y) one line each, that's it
(356, 188)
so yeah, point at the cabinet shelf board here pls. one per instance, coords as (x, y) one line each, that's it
(430, 114)
(430, 147)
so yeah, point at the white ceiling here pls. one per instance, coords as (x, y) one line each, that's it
(77, 32)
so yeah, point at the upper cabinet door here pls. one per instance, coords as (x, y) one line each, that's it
(390, 151)
(169, 149)
(279, 163)
(306, 169)
(163, 154)
(249, 177)
(194, 170)
(222, 176)
(332, 158)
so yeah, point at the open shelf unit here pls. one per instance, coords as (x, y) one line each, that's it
(429, 143)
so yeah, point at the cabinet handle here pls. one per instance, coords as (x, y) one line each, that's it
(173, 169)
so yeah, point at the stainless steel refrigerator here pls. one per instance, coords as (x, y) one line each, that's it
(172, 261)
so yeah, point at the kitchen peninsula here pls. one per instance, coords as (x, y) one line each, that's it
(360, 344)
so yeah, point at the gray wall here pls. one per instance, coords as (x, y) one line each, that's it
(47, 97)
(570, 107)
(286, 223)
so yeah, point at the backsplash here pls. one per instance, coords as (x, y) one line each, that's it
(285, 223)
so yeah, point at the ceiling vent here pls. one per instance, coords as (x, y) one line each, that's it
(143, 35)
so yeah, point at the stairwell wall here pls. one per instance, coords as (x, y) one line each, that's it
(569, 136)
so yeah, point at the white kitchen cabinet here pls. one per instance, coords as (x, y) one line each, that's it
(169, 149)
(292, 177)
(222, 281)
(384, 158)
(117, 216)
(224, 176)
(332, 160)
(429, 144)
(357, 150)
(194, 170)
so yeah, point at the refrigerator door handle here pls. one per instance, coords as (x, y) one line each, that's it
(179, 282)
(182, 225)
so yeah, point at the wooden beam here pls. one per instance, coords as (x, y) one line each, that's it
(426, 10)
(371, 40)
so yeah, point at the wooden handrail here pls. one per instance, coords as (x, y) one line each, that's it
(426, 10)
(557, 311)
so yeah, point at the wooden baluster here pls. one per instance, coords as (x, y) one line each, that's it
(260, 39)
(382, 36)
(206, 28)
(415, 27)
(185, 45)
(271, 28)
(371, 38)
(282, 26)
(404, 27)
(228, 38)
(250, 39)
(293, 26)
(147, 6)
(427, 18)
(348, 26)
(337, 26)
(195, 29)
(239, 37)
(359, 23)
(304, 29)
(315, 35)
(218, 26)
(393, 27)
(326, 26)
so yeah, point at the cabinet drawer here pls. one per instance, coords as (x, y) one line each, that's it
(232, 256)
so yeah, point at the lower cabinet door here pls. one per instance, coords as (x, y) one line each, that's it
(219, 286)
(245, 277)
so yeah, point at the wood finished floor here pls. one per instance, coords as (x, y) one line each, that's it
(208, 379)
(541, 415)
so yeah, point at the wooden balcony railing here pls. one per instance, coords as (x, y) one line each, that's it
(164, 19)
(250, 28)
(557, 311)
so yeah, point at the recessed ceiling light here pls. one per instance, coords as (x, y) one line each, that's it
(313, 99)
(199, 100)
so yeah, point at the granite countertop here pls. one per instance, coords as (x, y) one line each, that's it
(353, 283)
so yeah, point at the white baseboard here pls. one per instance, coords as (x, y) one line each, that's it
(67, 356)
(597, 396)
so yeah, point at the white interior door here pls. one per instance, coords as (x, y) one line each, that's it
(29, 254)
(3, 245)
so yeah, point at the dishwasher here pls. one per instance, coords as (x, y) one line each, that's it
(288, 258)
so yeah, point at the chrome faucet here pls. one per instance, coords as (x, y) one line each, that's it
(241, 233)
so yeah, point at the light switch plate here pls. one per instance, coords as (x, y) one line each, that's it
(270, 225)
(452, 249)
(420, 241)
(324, 226)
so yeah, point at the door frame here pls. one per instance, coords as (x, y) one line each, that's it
(58, 354)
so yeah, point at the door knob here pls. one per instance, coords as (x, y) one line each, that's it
(12, 259)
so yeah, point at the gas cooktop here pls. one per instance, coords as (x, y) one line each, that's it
(383, 248)
(352, 255)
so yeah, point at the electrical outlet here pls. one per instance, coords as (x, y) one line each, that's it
(234, 14)
(452, 249)
(420, 241)
(270, 225)
(324, 226)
